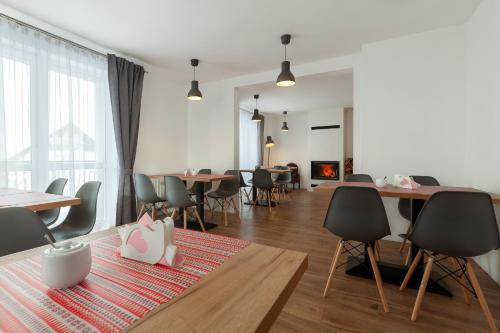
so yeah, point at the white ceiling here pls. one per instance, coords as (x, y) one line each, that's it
(238, 37)
(310, 93)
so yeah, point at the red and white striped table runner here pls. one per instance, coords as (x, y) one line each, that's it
(116, 293)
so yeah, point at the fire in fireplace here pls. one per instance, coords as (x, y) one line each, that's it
(328, 170)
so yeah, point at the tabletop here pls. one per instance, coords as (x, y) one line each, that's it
(423, 192)
(245, 294)
(36, 201)
(198, 178)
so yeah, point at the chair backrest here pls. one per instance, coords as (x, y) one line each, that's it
(176, 193)
(50, 216)
(207, 186)
(145, 189)
(21, 230)
(359, 178)
(230, 187)
(404, 204)
(285, 177)
(262, 179)
(82, 217)
(357, 213)
(242, 181)
(57, 186)
(458, 224)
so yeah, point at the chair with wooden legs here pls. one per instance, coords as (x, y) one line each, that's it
(224, 194)
(243, 190)
(404, 209)
(357, 214)
(146, 194)
(363, 178)
(207, 187)
(263, 182)
(454, 227)
(282, 181)
(179, 199)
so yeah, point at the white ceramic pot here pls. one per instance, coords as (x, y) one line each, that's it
(66, 265)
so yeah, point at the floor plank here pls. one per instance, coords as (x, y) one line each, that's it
(352, 304)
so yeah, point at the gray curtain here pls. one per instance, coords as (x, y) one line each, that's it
(262, 140)
(125, 87)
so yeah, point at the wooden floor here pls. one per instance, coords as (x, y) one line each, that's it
(353, 303)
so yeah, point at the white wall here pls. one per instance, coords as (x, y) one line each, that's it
(482, 162)
(162, 142)
(410, 110)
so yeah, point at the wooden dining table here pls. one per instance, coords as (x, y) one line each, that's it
(394, 273)
(199, 180)
(244, 294)
(36, 201)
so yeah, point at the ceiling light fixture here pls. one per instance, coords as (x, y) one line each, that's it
(256, 116)
(284, 128)
(286, 78)
(194, 94)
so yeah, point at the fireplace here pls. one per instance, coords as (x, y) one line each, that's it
(325, 170)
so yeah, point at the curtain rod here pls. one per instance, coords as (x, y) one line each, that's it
(52, 35)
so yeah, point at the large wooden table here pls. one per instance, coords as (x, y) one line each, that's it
(393, 273)
(245, 294)
(36, 201)
(199, 179)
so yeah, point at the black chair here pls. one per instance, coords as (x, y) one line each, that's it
(359, 178)
(243, 190)
(283, 180)
(404, 208)
(207, 186)
(50, 216)
(295, 174)
(81, 218)
(179, 198)
(357, 214)
(453, 227)
(263, 182)
(21, 230)
(224, 194)
(145, 191)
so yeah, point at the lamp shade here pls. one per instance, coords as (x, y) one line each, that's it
(284, 128)
(286, 78)
(194, 93)
(256, 116)
(269, 142)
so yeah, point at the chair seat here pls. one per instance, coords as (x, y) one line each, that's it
(403, 235)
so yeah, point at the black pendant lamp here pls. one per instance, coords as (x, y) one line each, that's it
(256, 116)
(286, 78)
(194, 94)
(284, 128)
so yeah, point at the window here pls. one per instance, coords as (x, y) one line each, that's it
(55, 117)
(249, 141)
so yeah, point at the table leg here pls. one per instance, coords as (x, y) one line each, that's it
(200, 193)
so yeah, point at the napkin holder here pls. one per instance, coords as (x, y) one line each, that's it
(150, 241)
(405, 182)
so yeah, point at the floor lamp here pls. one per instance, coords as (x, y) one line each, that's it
(269, 144)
